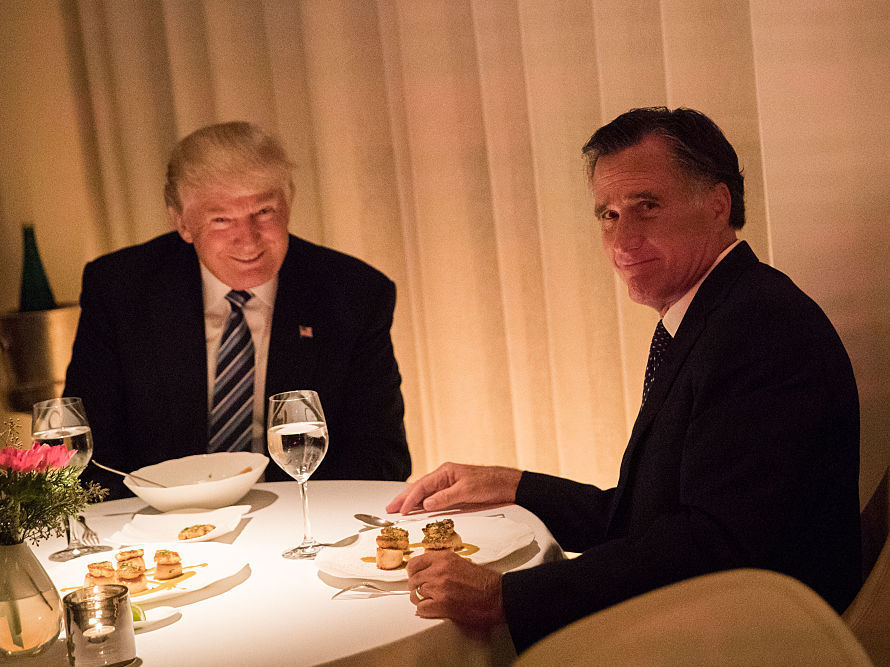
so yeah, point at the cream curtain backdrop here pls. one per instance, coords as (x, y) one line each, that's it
(440, 141)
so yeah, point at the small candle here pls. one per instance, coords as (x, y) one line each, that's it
(99, 626)
(98, 632)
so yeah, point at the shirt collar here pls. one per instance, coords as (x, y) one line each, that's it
(215, 290)
(675, 314)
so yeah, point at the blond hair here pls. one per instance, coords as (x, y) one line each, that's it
(227, 153)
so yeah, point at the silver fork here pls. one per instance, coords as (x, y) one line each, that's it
(368, 584)
(89, 536)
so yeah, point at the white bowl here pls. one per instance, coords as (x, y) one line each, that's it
(206, 481)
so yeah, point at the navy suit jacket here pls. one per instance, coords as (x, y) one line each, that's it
(140, 363)
(745, 454)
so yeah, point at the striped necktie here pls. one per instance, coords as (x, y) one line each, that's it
(231, 415)
(660, 340)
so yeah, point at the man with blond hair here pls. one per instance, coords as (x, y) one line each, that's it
(182, 339)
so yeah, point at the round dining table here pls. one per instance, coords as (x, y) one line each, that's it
(275, 611)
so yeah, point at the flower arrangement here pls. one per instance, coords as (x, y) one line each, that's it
(38, 491)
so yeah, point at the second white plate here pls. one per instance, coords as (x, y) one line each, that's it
(202, 565)
(495, 537)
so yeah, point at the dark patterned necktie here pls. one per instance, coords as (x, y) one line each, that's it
(660, 340)
(231, 415)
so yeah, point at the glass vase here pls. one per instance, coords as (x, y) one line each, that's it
(30, 607)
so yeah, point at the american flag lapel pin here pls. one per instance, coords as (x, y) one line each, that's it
(305, 332)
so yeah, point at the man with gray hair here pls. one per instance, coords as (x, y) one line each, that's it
(182, 339)
(745, 451)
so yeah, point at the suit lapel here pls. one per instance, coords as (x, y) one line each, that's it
(178, 307)
(293, 340)
(710, 294)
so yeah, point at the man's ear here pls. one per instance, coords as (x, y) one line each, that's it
(174, 217)
(720, 201)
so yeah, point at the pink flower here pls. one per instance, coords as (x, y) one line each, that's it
(37, 459)
(58, 457)
(21, 460)
(7, 456)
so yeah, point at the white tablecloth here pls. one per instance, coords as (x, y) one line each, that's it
(279, 612)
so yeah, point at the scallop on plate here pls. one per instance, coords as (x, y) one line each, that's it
(202, 565)
(485, 540)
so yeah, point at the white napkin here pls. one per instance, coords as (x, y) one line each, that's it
(165, 527)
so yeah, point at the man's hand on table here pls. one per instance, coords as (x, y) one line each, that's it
(453, 484)
(444, 585)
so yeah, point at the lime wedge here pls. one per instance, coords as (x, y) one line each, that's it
(138, 614)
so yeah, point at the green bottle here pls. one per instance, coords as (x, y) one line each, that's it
(36, 293)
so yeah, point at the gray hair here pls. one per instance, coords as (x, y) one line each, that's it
(234, 152)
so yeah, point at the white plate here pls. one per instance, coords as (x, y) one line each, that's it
(165, 527)
(154, 617)
(202, 565)
(496, 537)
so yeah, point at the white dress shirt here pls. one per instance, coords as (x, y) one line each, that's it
(258, 314)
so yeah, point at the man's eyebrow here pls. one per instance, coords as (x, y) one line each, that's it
(633, 197)
(266, 196)
(261, 201)
(215, 211)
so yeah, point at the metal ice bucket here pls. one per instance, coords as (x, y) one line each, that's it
(36, 349)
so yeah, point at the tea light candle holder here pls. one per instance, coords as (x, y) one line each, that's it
(99, 625)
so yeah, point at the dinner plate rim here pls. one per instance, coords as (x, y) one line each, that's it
(323, 563)
(154, 616)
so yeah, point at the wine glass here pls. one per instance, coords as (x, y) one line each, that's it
(298, 441)
(62, 421)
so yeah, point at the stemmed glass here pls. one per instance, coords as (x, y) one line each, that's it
(298, 441)
(62, 421)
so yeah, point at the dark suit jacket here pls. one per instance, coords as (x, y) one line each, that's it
(746, 454)
(140, 361)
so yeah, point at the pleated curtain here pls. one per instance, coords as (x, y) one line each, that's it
(439, 140)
